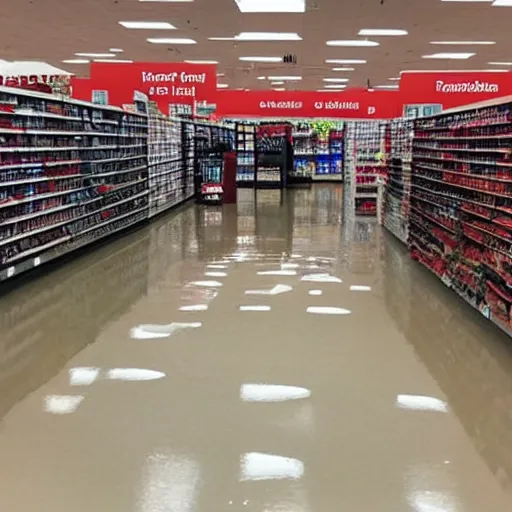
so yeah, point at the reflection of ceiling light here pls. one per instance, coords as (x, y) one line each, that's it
(273, 78)
(254, 308)
(345, 61)
(278, 289)
(335, 86)
(272, 393)
(156, 331)
(194, 307)
(118, 61)
(327, 310)
(133, 374)
(271, 5)
(289, 265)
(201, 61)
(360, 288)
(421, 403)
(321, 278)
(171, 40)
(149, 25)
(213, 265)
(279, 89)
(481, 43)
(277, 83)
(394, 79)
(268, 36)
(277, 273)
(83, 375)
(62, 404)
(352, 43)
(215, 274)
(382, 32)
(343, 69)
(336, 79)
(96, 55)
(262, 78)
(207, 284)
(263, 466)
(459, 56)
(76, 61)
(261, 59)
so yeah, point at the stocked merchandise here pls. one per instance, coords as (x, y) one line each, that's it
(166, 165)
(398, 186)
(365, 163)
(317, 151)
(245, 154)
(272, 150)
(461, 204)
(71, 173)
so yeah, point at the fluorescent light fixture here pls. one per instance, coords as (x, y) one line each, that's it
(221, 74)
(345, 61)
(360, 288)
(502, 3)
(171, 40)
(421, 403)
(96, 55)
(335, 86)
(327, 310)
(279, 89)
(272, 393)
(386, 86)
(149, 25)
(261, 78)
(262, 466)
(217, 266)
(222, 86)
(394, 79)
(118, 61)
(460, 43)
(261, 59)
(201, 61)
(207, 284)
(457, 56)
(277, 83)
(285, 78)
(76, 61)
(271, 5)
(289, 265)
(115, 50)
(268, 36)
(352, 43)
(343, 69)
(382, 32)
(491, 63)
(215, 274)
(315, 292)
(336, 79)
(277, 290)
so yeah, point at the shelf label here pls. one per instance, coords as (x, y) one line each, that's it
(10, 271)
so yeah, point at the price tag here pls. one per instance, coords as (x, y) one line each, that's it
(37, 261)
(10, 271)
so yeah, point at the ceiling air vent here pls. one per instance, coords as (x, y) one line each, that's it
(290, 58)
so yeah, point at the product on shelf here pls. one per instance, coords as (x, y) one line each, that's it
(71, 173)
(461, 204)
(245, 153)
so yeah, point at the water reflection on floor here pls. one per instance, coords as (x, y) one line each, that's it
(277, 355)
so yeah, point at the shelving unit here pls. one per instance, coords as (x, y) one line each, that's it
(271, 158)
(461, 204)
(398, 185)
(166, 167)
(71, 173)
(365, 163)
(246, 154)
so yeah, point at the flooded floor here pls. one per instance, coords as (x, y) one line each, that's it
(274, 356)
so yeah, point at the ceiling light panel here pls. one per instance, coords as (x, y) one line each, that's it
(500, 63)
(118, 61)
(343, 69)
(277, 83)
(222, 86)
(246, 6)
(96, 55)
(76, 61)
(502, 3)
(352, 43)
(345, 61)
(171, 40)
(335, 86)
(201, 61)
(460, 43)
(115, 50)
(284, 78)
(382, 32)
(456, 56)
(335, 79)
(148, 25)
(386, 86)
(268, 36)
(261, 59)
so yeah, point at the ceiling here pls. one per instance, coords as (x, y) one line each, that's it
(54, 30)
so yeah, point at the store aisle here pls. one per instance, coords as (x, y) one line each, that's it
(148, 375)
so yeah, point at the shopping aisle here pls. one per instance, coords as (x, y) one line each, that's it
(398, 401)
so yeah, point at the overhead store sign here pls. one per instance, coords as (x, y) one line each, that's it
(356, 104)
(453, 89)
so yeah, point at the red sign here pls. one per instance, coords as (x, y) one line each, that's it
(351, 104)
(164, 82)
(452, 88)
